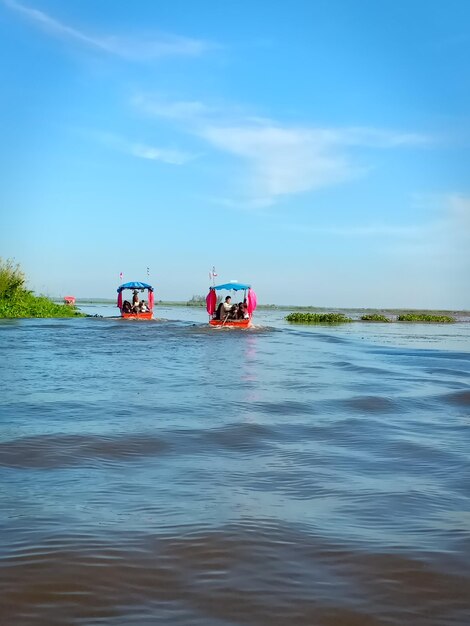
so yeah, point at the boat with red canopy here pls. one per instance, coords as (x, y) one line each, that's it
(236, 316)
(138, 309)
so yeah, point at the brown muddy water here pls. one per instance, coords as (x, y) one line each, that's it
(167, 473)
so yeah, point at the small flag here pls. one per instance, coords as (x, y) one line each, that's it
(120, 276)
(213, 272)
(148, 271)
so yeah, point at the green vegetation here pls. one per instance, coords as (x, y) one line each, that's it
(16, 301)
(425, 317)
(317, 318)
(197, 301)
(375, 317)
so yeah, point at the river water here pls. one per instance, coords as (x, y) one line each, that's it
(169, 473)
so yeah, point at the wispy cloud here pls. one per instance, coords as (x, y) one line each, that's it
(137, 49)
(171, 156)
(280, 160)
(364, 230)
(191, 111)
(458, 208)
(442, 242)
(453, 208)
(375, 137)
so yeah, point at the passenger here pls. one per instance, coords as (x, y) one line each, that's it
(135, 301)
(240, 311)
(246, 315)
(226, 308)
(217, 314)
(233, 312)
(143, 307)
(126, 306)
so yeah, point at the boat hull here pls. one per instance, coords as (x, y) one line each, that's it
(137, 316)
(231, 323)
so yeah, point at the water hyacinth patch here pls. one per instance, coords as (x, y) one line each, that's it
(425, 317)
(375, 317)
(317, 318)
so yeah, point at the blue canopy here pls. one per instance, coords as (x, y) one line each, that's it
(234, 286)
(134, 286)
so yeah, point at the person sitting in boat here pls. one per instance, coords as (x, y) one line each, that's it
(216, 315)
(224, 309)
(233, 312)
(135, 301)
(242, 313)
(143, 307)
(126, 306)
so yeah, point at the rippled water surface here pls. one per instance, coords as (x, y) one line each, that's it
(169, 473)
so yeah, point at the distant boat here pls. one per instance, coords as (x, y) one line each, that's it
(70, 300)
(132, 310)
(231, 319)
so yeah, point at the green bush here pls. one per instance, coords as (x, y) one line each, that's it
(375, 317)
(16, 301)
(25, 304)
(425, 317)
(12, 279)
(317, 318)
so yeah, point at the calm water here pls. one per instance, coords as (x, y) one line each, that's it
(168, 473)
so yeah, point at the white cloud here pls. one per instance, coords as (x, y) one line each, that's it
(283, 161)
(458, 208)
(364, 230)
(377, 138)
(186, 111)
(172, 156)
(137, 49)
(452, 208)
(442, 243)
(280, 160)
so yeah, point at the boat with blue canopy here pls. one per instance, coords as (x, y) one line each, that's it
(136, 308)
(223, 313)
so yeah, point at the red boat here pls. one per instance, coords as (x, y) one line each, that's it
(235, 318)
(141, 311)
(231, 323)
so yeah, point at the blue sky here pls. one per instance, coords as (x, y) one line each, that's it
(317, 149)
